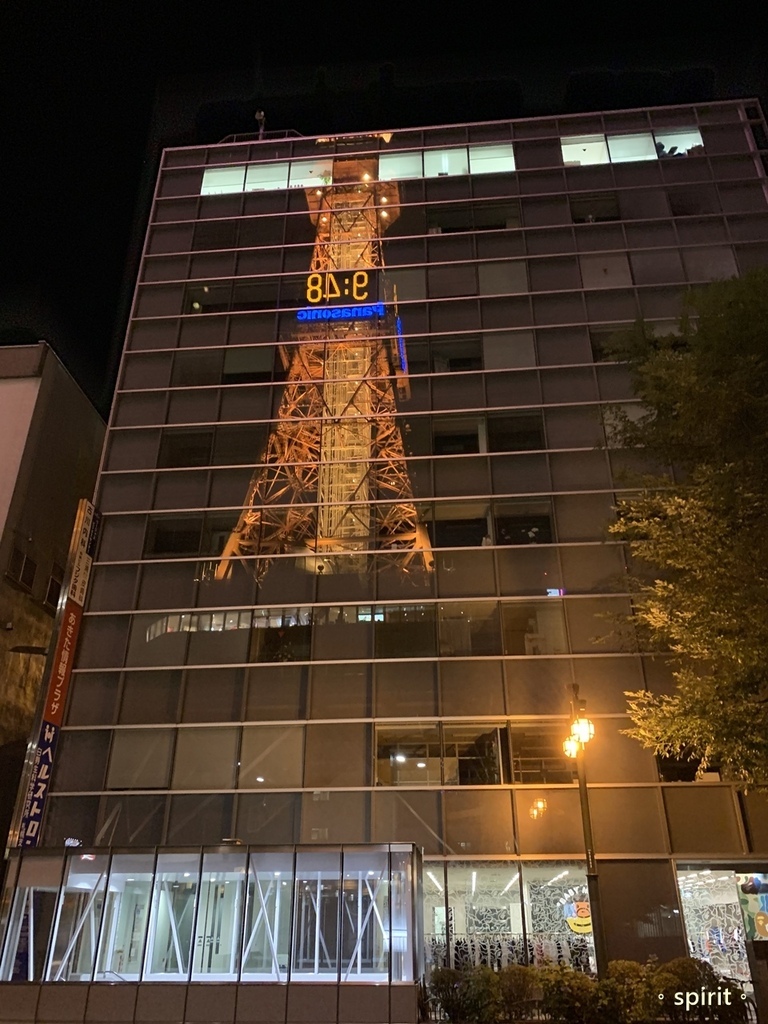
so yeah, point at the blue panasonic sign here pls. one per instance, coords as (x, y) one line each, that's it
(341, 312)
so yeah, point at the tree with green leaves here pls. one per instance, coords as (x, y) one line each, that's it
(699, 532)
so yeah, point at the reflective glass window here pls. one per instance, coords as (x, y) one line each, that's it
(172, 916)
(441, 163)
(218, 180)
(717, 904)
(140, 759)
(366, 939)
(579, 150)
(78, 917)
(469, 628)
(271, 757)
(537, 755)
(123, 933)
(219, 917)
(485, 908)
(29, 925)
(267, 935)
(681, 142)
(396, 166)
(491, 159)
(306, 173)
(318, 895)
(535, 628)
(408, 755)
(559, 921)
(262, 177)
(472, 755)
(626, 148)
(205, 759)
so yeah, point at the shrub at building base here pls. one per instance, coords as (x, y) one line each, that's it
(631, 993)
(467, 996)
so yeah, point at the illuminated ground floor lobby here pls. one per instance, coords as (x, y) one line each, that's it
(337, 933)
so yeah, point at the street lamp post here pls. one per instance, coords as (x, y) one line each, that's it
(582, 731)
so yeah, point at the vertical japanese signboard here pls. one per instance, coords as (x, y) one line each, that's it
(59, 672)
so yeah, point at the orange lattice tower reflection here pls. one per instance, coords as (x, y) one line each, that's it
(333, 486)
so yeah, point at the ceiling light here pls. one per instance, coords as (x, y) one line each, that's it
(432, 878)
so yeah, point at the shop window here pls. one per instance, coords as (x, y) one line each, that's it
(309, 173)
(556, 899)
(494, 159)
(522, 522)
(682, 142)
(220, 180)
(515, 432)
(716, 905)
(580, 150)
(628, 148)
(397, 166)
(266, 177)
(603, 206)
(441, 163)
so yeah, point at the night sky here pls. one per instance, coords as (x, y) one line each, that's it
(92, 91)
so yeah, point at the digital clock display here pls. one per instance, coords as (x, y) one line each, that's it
(339, 286)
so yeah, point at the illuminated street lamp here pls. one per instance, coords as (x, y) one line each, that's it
(582, 731)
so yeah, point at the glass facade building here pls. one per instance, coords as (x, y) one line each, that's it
(354, 556)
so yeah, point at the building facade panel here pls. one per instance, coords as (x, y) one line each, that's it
(355, 502)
